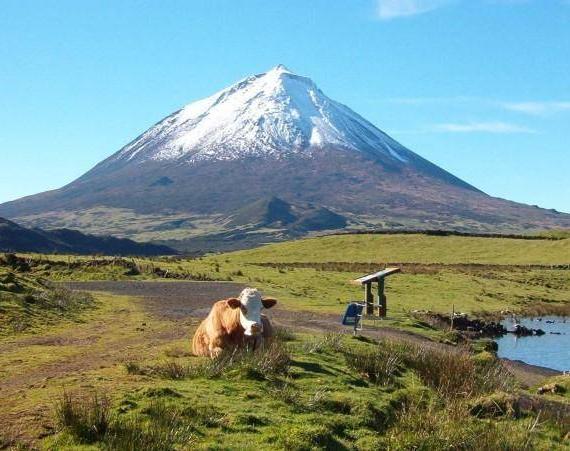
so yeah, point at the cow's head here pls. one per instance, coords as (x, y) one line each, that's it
(250, 304)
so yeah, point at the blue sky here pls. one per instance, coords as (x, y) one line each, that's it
(479, 87)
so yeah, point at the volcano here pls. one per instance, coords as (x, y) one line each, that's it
(268, 158)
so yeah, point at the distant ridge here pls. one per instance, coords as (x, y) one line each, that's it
(541, 236)
(14, 238)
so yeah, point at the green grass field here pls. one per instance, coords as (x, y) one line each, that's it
(300, 272)
(315, 274)
(107, 373)
(411, 248)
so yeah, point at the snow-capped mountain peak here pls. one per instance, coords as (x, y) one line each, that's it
(273, 114)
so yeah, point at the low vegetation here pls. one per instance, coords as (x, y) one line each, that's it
(122, 376)
(28, 302)
(333, 392)
(271, 361)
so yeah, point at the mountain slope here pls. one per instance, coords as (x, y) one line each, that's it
(272, 135)
(14, 238)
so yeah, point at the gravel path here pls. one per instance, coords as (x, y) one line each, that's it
(179, 300)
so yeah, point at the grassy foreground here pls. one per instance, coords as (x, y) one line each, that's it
(318, 393)
(123, 379)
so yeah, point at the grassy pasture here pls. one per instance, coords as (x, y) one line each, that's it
(467, 274)
(439, 273)
(411, 248)
(94, 391)
(129, 378)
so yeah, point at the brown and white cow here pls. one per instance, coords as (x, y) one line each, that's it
(233, 323)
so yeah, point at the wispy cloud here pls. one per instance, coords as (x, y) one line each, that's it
(391, 9)
(537, 108)
(433, 100)
(481, 127)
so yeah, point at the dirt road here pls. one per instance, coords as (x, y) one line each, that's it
(179, 300)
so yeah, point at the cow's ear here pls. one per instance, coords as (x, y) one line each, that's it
(233, 302)
(268, 302)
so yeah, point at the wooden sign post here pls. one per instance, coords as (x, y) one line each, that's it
(379, 278)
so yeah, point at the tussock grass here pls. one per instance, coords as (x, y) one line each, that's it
(159, 427)
(283, 334)
(378, 365)
(330, 342)
(431, 425)
(306, 437)
(452, 373)
(175, 352)
(266, 363)
(345, 394)
(87, 418)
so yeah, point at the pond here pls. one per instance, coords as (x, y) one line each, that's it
(551, 350)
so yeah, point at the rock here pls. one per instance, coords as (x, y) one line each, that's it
(551, 388)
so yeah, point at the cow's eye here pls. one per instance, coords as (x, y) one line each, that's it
(243, 309)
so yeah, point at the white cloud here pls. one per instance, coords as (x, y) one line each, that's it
(537, 108)
(481, 127)
(391, 9)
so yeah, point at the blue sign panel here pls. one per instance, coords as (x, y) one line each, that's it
(353, 314)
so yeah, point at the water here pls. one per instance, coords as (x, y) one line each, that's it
(548, 350)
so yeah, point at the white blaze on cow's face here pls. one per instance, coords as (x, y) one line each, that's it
(250, 311)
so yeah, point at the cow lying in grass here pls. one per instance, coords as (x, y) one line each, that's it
(234, 322)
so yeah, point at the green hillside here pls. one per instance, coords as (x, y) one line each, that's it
(463, 273)
(413, 248)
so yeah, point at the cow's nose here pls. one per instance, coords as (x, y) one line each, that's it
(256, 329)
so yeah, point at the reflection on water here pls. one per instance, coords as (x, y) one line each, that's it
(550, 350)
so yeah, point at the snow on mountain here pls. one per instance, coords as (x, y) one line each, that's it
(271, 114)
